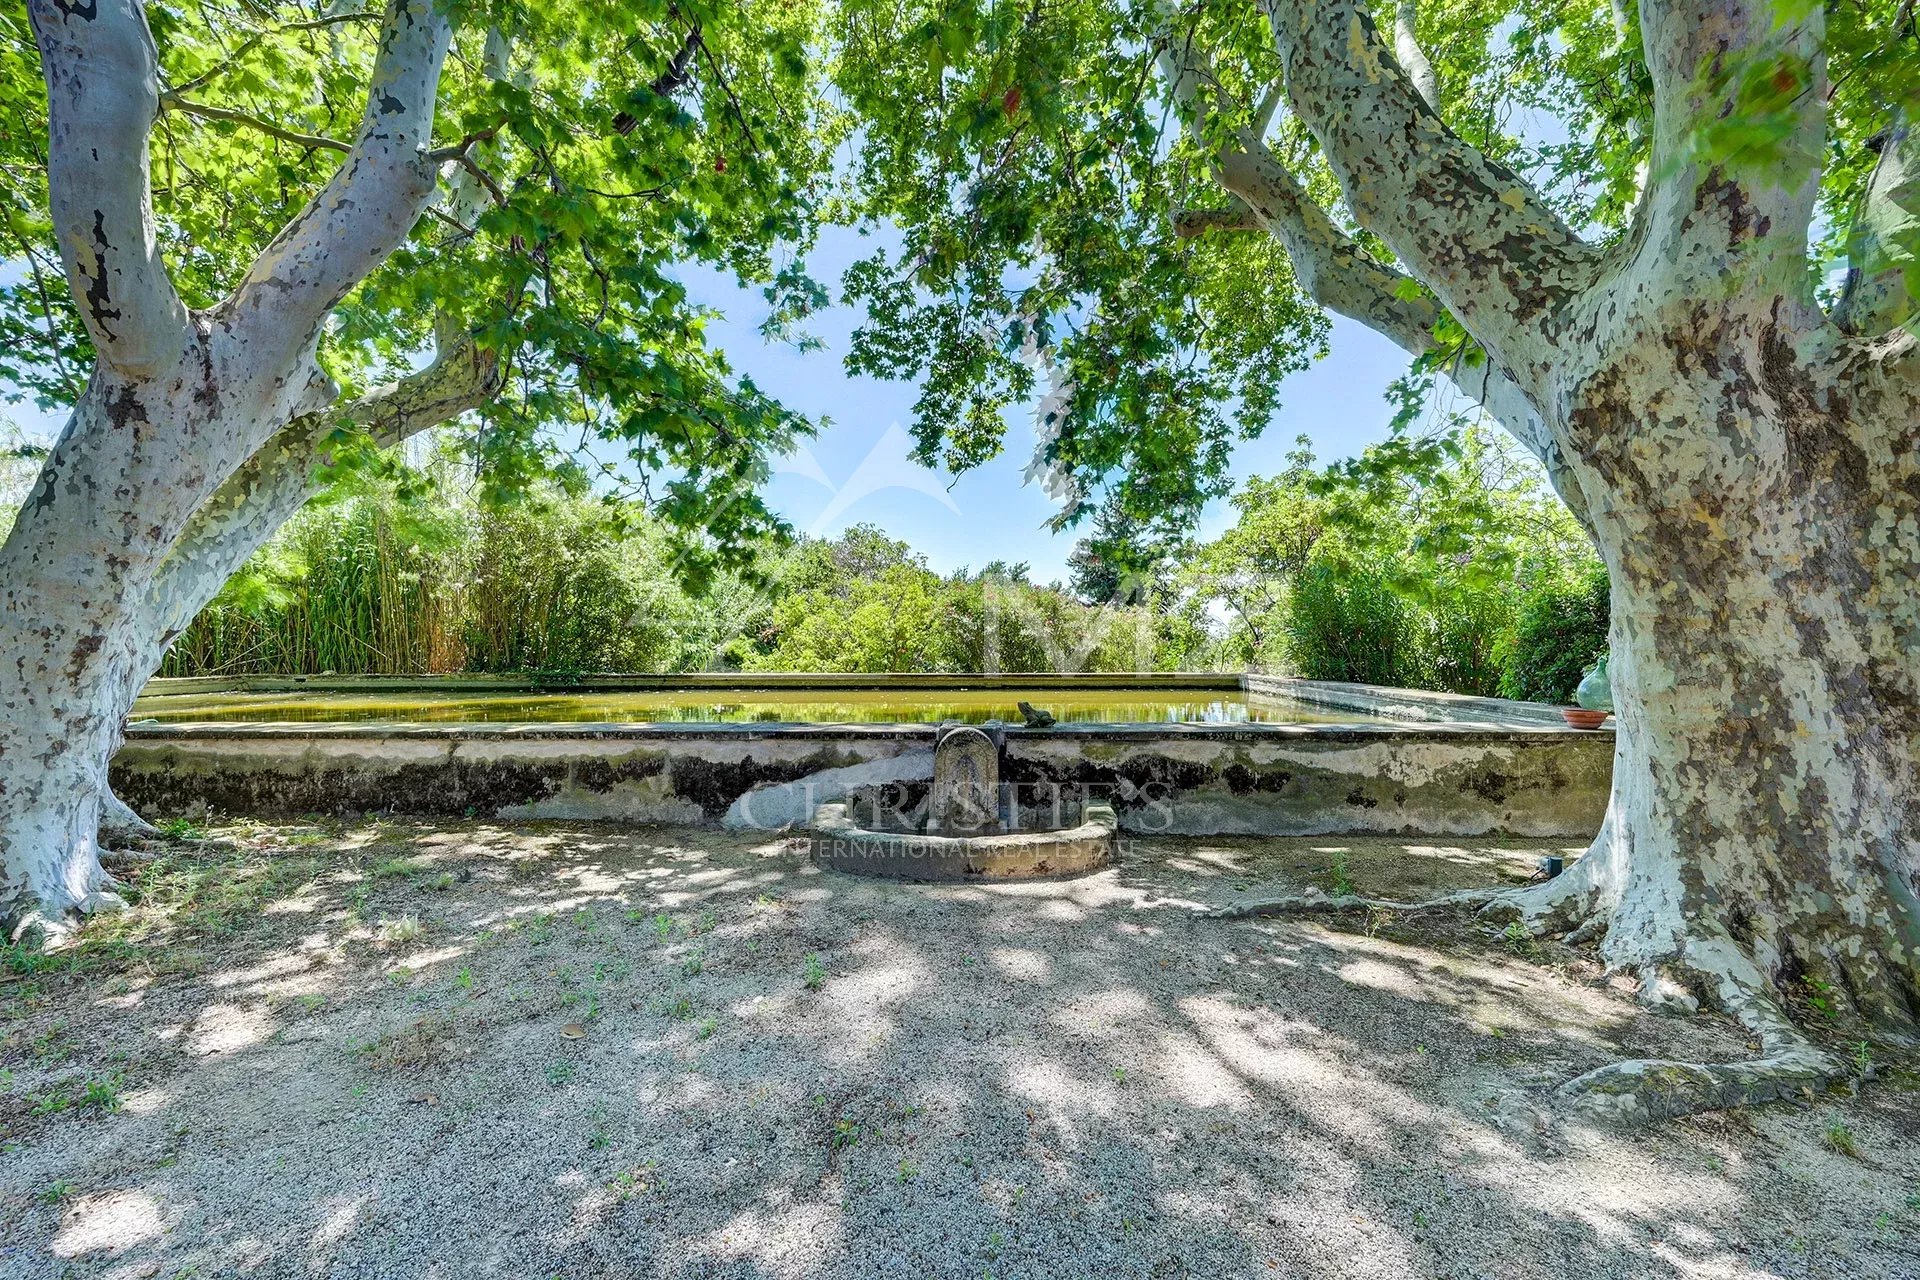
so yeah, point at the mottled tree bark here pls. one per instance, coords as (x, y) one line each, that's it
(198, 432)
(1765, 821)
(1749, 468)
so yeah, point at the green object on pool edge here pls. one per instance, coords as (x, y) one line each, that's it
(1595, 691)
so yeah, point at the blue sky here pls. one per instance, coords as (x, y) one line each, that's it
(856, 470)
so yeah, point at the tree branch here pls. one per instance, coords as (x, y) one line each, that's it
(372, 200)
(253, 41)
(1332, 268)
(1472, 231)
(469, 188)
(1719, 205)
(669, 82)
(472, 168)
(462, 376)
(1883, 276)
(1413, 60)
(1189, 223)
(1335, 272)
(174, 102)
(1344, 278)
(1263, 114)
(272, 485)
(102, 90)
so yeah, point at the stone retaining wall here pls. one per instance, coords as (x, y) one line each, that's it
(1418, 778)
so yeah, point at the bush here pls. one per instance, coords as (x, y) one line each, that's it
(373, 583)
(1345, 623)
(1464, 640)
(1560, 629)
(558, 585)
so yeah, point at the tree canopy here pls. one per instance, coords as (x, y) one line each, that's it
(585, 150)
(1066, 176)
(1054, 172)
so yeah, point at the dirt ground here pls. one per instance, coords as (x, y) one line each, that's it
(399, 1050)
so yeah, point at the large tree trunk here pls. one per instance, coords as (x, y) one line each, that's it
(75, 571)
(1749, 466)
(1764, 836)
(194, 438)
(90, 638)
(1765, 787)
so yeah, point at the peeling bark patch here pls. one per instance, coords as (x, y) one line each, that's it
(124, 409)
(83, 650)
(1722, 196)
(98, 297)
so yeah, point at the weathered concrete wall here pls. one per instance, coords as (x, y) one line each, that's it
(1433, 779)
(1417, 705)
(654, 773)
(1326, 780)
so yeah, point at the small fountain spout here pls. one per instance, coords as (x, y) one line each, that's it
(966, 784)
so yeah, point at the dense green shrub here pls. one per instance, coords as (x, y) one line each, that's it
(559, 586)
(1474, 580)
(864, 602)
(363, 584)
(563, 583)
(371, 583)
(1560, 629)
(1347, 624)
(1411, 566)
(1464, 638)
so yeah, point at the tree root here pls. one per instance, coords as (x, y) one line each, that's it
(1313, 900)
(1643, 1090)
(1568, 904)
(33, 924)
(1545, 907)
(1646, 1090)
(119, 823)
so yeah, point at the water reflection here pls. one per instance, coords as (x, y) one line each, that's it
(1079, 706)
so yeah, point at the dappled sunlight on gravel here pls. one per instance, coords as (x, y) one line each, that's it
(486, 1050)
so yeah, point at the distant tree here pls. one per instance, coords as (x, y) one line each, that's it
(1250, 566)
(1125, 559)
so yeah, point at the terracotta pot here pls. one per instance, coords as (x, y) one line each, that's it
(1581, 718)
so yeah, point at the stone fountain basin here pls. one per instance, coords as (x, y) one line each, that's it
(841, 844)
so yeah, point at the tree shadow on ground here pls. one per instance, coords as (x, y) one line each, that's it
(597, 1051)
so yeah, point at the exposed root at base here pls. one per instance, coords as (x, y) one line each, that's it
(35, 925)
(1314, 900)
(123, 858)
(1642, 1091)
(119, 823)
(1568, 904)
(1646, 1090)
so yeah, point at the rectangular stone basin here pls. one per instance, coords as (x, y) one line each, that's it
(1333, 759)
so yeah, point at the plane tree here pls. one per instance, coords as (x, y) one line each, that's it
(252, 244)
(1668, 245)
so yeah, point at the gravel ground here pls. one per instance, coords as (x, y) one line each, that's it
(581, 1051)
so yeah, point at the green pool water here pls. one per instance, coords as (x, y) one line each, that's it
(734, 706)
